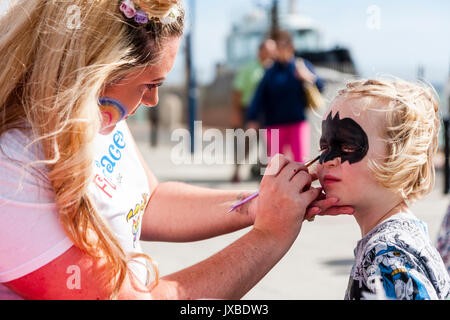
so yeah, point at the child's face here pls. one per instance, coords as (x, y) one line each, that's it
(350, 137)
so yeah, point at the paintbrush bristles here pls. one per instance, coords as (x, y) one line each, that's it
(311, 162)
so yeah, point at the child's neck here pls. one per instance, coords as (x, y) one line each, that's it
(368, 217)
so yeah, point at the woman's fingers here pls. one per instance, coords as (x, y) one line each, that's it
(287, 188)
(291, 170)
(276, 165)
(325, 203)
(284, 196)
(335, 211)
(302, 182)
(310, 195)
(332, 211)
(328, 207)
(321, 196)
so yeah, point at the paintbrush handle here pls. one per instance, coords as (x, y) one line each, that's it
(254, 195)
(237, 205)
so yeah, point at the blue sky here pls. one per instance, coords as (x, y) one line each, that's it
(412, 32)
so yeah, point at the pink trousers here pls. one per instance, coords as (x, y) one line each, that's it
(293, 140)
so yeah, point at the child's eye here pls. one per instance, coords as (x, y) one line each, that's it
(349, 149)
(154, 85)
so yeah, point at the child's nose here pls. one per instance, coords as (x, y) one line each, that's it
(332, 162)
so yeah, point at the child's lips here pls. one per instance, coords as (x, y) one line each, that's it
(328, 179)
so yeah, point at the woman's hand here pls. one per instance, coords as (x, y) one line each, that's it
(321, 206)
(324, 206)
(285, 194)
(252, 208)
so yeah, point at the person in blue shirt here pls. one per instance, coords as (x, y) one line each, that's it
(244, 86)
(280, 103)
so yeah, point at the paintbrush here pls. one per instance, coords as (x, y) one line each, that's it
(254, 195)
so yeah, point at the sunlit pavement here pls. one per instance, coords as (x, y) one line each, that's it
(317, 265)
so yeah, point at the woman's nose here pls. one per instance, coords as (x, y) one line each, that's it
(151, 98)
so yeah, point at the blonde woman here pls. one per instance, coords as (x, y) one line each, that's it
(378, 142)
(75, 194)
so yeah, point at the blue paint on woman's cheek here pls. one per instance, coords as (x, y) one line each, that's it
(118, 105)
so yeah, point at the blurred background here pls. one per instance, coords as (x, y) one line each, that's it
(343, 40)
(403, 38)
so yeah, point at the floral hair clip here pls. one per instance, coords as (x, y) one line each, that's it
(131, 10)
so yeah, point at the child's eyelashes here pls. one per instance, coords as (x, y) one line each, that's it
(349, 149)
(343, 148)
(323, 147)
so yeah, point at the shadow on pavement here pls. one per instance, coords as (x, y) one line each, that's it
(340, 266)
(339, 262)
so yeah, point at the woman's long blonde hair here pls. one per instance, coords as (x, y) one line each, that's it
(57, 56)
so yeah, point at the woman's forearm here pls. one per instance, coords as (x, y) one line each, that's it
(180, 212)
(230, 273)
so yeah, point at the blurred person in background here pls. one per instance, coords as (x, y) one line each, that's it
(244, 85)
(280, 101)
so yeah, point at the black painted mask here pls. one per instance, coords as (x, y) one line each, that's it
(342, 138)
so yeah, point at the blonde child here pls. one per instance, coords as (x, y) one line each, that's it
(377, 146)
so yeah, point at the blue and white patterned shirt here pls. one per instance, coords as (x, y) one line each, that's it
(397, 260)
(443, 241)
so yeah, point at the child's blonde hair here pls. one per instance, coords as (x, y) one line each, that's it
(53, 70)
(410, 132)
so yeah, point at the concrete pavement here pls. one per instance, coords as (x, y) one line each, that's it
(317, 265)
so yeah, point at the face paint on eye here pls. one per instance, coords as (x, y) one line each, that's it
(343, 138)
(112, 110)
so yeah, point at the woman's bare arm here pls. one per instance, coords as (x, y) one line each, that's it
(179, 212)
(228, 274)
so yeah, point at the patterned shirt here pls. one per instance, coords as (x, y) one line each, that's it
(396, 260)
(443, 242)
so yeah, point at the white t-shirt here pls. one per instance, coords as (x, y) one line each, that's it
(31, 235)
